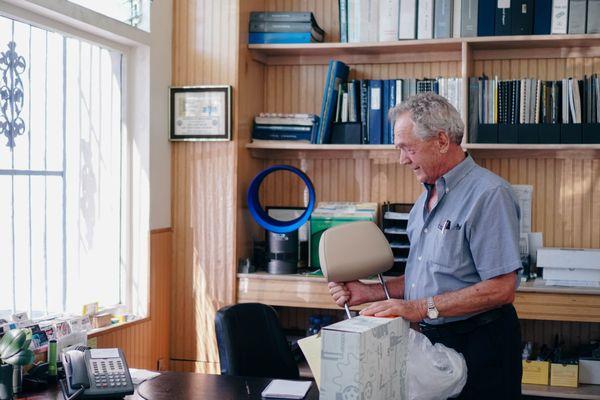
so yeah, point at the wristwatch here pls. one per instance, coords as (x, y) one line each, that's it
(432, 311)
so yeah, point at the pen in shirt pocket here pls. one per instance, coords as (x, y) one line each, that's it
(447, 226)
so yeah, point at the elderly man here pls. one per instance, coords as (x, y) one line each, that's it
(461, 275)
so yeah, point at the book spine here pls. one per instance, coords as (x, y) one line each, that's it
(593, 16)
(560, 14)
(425, 15)
(384, 111)
(343, 21)
(282, 16)
(542, 19)
(391, 104)
(372, 20)
(503, 20)
(522, 17)
(375, 106)
(443, 19)
(456, 17)
(364, 110)
(407, 20)
(577, 16)
(486, 13)
(353, 21)
(388, 20)
(468, 20)
(279, 37)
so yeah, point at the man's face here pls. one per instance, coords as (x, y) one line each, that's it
(423, 157)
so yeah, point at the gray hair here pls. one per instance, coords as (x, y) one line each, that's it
(431, 113)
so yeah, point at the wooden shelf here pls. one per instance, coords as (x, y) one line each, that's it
(290, 150)
(483, 48)
(591, 392)
(533, 301)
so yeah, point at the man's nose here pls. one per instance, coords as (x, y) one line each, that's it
(404, 160)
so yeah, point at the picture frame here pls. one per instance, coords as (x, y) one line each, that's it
(200, 113)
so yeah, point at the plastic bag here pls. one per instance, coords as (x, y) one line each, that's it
(435, 372)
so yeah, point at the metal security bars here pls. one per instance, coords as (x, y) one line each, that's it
(61, 160)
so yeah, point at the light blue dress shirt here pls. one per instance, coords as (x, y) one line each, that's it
(470, 235)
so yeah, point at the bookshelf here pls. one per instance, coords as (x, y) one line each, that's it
(468, 53)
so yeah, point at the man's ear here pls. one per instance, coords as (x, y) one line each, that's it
(443, 142)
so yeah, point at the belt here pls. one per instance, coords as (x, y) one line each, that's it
(463, 326)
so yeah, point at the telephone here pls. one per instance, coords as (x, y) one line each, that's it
(95, 374)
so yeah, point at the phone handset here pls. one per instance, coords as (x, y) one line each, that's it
(76, 373)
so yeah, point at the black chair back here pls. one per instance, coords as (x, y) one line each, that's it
(252, 343)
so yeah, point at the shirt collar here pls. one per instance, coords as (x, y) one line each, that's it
(451, 178)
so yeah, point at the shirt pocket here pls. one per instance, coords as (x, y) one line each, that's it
(450, 246)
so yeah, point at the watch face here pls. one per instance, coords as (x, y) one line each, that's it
(432, 313)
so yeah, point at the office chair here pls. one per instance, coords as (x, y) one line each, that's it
(251, 342)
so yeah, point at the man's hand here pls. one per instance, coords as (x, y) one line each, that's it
(411, 310)
(353, 293)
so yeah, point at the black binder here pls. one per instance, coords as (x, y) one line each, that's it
(503, 18)
(522, 17)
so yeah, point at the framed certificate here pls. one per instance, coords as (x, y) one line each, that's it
(200, 113)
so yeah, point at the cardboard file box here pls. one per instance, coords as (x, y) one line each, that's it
(589, 371)
(536, 372)
(564, 375)
(571, 267)
(364, 358)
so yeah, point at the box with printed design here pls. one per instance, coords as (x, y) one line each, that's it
(364, 358)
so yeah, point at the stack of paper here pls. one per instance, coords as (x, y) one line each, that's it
(284, 389)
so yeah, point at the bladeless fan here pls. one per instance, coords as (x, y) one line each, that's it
(356, 250)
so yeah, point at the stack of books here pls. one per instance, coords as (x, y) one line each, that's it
(294, 127)
(390, 20)
(284, 27)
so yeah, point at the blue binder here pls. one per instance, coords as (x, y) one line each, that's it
(375, 111)
(542, 17)
(337, 73)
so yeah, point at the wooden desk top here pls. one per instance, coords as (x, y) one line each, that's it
(187, 385)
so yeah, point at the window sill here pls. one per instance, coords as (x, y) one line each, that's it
(115, 327)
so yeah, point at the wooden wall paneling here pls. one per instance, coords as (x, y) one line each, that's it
(206, 42)
(146, 344)
(572, 333)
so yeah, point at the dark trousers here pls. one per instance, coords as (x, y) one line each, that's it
(492, 351)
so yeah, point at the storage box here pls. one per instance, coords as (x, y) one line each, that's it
(564, 375)
(329, 214)
(536, 372)
(589, 371)
(364, 358)
(572, 267)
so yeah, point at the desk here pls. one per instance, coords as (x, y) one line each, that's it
(186, 385)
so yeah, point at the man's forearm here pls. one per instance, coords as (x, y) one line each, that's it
(483, 296)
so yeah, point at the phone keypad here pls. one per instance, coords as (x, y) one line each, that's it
(109, 373)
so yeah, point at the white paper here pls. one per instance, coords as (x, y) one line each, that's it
(286, 389)
(524, 195)
(140, 375)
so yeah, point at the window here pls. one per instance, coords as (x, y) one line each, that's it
(132, 12)
(62, 161)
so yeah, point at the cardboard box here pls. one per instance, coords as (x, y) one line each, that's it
(364, 358)
(329, 214)
(572, 267)
(564, 375)
(536, 372)
(589, 371)
(101, 320)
